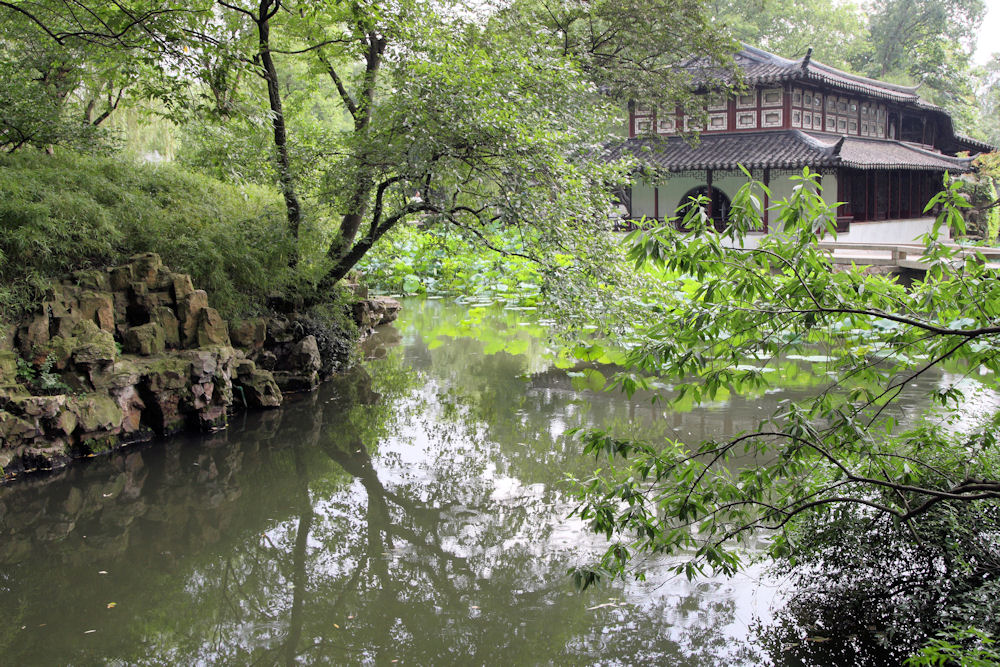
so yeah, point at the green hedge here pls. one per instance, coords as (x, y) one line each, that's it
(63, 212)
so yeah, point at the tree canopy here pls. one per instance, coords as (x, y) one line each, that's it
(377, 114)
(855, 459)
(915, 42)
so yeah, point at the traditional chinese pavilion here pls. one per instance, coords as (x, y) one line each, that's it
(879, 147)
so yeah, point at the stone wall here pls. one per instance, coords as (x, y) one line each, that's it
(134, 352)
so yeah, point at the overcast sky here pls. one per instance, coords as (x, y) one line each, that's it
(989, 34)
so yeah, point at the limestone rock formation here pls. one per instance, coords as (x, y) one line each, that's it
(375, 311)
(122, 355)
(114, 357)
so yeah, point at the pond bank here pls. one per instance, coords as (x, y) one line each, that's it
(130, 353)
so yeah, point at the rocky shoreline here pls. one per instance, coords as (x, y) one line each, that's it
(135, 352)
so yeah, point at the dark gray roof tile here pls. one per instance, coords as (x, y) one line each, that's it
(781, 149)
(762, 67)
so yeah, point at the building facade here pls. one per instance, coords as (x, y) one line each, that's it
(879, 147)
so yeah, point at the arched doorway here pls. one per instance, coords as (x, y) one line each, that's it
(720, 204)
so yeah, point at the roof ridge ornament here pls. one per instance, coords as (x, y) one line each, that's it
(805, 61)
(840, 143)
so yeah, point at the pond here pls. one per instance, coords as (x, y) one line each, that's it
(411, 512)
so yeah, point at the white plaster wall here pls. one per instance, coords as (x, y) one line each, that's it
(781, 187)
(890, 231)
(672, 189)
(642, 201)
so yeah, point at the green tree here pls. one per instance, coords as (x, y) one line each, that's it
(915, 42)
(837, 31)
(927, 42)
(852, 459)
(988, 97)
(478, 119)
(67, 67)
(917, 36)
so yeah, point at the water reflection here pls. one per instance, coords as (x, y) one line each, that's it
(410, 511)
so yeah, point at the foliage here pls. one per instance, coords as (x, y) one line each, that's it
(921, 37)
(930, 43)
(927, 43)
(988, 164)
(969, 647)
(376, 115)
(41, 380)
(65, 70)
(843, 451)
(836, 30)
(441, 261)
(881, 593)
(988, 98)
(64, 212)
(993, 215)
(983, 216)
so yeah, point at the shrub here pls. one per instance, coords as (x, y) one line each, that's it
(63, 212)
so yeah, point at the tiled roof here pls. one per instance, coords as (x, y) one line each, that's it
(781, 149)
(832, 76)
(965, 143)
(788, 149)
(879, 154)
(763, 67)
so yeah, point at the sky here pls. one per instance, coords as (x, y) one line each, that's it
(989, 34)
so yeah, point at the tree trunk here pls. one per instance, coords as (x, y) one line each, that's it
(280, 133)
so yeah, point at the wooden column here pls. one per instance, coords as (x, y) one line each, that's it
(899, 196)
(786, 107)
(767, 183)
(842, 195)
(868, 193)
(913, 208)
(708, 173)
(888, 195)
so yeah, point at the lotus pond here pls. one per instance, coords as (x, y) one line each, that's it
(411, 512)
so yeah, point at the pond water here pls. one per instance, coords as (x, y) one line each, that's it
(412, 512)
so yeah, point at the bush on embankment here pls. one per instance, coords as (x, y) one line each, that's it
(64, 212)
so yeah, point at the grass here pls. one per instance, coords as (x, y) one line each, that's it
(63, 212)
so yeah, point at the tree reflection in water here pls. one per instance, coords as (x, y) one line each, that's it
(413, 513)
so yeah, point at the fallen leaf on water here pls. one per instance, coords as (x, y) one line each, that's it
(102, 572)
(601, 606)
(112, 605)
(350, 618)
(89, 631)
(817, 639)
(336, 626)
